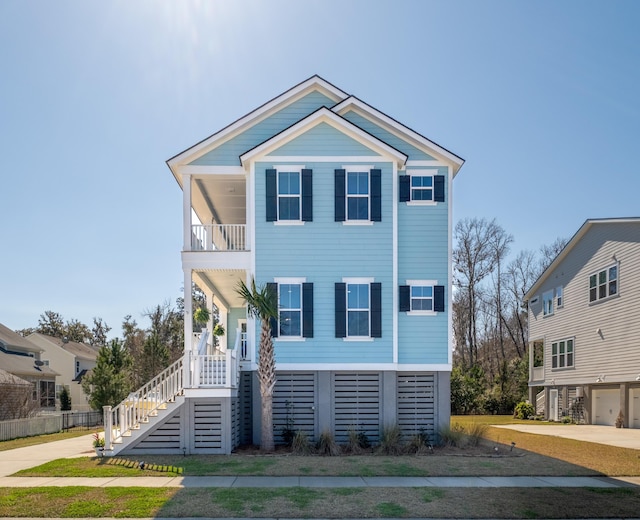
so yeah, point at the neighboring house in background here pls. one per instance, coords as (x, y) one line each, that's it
(71, 360)
(20, 357)
(584, 325)
(16, 396)
(347, 214)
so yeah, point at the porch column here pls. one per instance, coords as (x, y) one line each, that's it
(186, 214)
(188, 328)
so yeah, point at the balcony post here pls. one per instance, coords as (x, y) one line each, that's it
(186, 214)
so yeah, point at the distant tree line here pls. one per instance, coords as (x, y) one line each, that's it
(490, 359)
(126, 363)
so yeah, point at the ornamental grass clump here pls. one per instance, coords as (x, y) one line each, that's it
(390, 441)
(327, 445)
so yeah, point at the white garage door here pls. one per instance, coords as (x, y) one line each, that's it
(606, 405)
(635, 409)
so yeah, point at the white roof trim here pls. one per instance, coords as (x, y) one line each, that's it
(399, 129)
(324, 115)
(313, 83)
(588, 224)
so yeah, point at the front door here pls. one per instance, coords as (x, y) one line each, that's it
(553, 404)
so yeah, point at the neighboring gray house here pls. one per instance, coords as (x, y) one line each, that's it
(584, 325)
(20, 357)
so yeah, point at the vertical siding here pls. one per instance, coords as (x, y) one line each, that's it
(228, 153)
(325, 251)
(614, 353)
(423, 242)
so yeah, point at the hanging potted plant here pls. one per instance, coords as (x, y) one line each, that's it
(201, 317)
(218, 331)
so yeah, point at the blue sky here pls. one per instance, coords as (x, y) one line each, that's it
(540, 98)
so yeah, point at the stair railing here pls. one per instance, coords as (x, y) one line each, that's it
(143, 403)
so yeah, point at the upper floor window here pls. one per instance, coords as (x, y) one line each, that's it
(358, 195)
(421, 186)
(289, 194)
(295, 308)
(562, 353)
(559, 299)
(603, 283)
(547, 302)
(358, 309)
(421, 297)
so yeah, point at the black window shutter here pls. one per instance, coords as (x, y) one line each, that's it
(405, 188)
(340, 195)
(341, 310)
(405, 298)
(438, 298)
(271, 286)
(376, 310)
(438, 188)
(272, 196)
(307, 310)
(376, 195)
(307, 196)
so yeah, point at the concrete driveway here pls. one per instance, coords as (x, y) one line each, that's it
(621, 437)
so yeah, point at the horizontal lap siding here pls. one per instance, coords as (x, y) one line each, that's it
(356, 404)
(423, 238)
(615, 353)
(294, 403)
(323, 139)
(416, 404)
(389, 138)
(229, 152)
(325, 251)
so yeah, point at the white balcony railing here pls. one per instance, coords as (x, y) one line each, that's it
(219, 237)
(537, 374)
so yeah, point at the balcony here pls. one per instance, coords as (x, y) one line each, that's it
(219, 237)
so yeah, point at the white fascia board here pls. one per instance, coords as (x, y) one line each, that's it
(341, 367)
(257, 115)
(324, 115)
(398, 129)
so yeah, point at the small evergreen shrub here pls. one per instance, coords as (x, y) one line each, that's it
(524, 410)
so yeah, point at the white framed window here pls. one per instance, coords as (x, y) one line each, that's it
(289, 307)
(547, 302)
(562, 353)
(358, 307)
(559, 297)
(421, 186)
(289, 193)
(358, 195)
(603, 284)
(422, 297)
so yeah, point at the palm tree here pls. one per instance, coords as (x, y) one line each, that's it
(262, 304)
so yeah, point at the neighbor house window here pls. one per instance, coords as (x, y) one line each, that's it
(47, 394)
(547, 302)
(559, 299)
(603, 284)
(562, 353)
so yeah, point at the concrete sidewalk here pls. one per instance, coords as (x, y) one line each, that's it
(321, 482)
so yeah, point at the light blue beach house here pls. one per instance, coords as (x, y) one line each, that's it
(347, 212)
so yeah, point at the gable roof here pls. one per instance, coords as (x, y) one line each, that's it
(324, 115)
(397, 128)
(343, 103)
(588, 224)
(7, 378)
(313, 83)
(79, 350)
(11, 340)
(25, 366)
